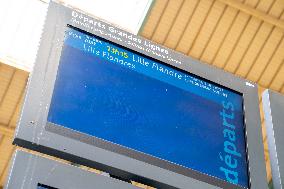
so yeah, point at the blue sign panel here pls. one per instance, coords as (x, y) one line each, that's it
(128, 99)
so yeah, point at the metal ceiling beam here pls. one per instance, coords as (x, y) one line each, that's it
(6, 131)
(254, 12)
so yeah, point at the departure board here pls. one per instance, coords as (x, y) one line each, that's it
(125, 98)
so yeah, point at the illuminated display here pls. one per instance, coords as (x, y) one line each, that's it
(125, 98)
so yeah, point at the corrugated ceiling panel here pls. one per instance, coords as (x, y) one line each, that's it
(180, 23)
(255, 49)
(166, 21)
(223, 26)
(273, 66)
(251, 3)
(278, 81)
(154, 17)
(6, 75)
(221, 35)
(270, 47)
(207, 30)
(246, 36)
(277, 8)
(195, 24)
(4, 174)
(265, 5)
(6, 149)
(232, 38)
(15, 117)
(12, 95)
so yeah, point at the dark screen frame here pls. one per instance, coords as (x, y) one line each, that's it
(32, 132)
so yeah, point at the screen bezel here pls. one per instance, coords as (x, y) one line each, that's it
(32, 133)
(101, 143)
(30, 170)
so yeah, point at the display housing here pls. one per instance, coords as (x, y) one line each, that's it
(106, 98)
(273, 108)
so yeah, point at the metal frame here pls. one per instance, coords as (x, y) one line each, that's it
(273, 107)
(32, 131)
(29, 170)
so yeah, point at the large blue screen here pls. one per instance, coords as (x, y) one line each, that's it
(120, 96)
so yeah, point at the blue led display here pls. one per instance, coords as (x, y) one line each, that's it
(126, 98)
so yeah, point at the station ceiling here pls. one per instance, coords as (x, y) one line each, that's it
(244, 37)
